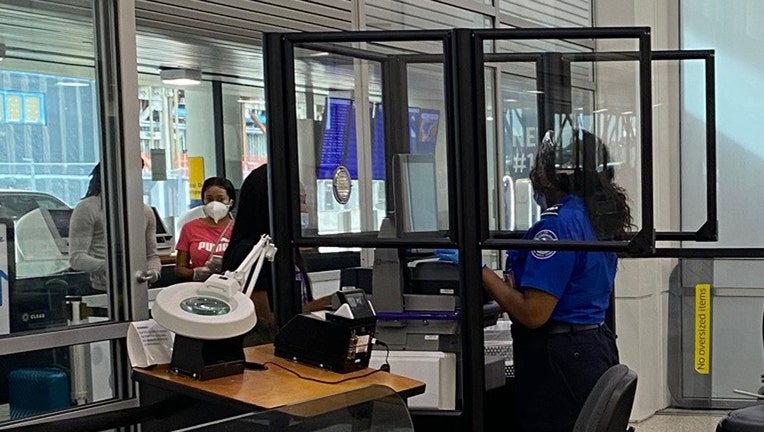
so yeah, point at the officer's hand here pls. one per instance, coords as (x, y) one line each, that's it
(202, 273)
(450, 255)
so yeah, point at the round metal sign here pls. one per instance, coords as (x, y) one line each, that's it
(341, 185)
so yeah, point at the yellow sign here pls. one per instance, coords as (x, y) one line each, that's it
(703, 328)
(195, 176)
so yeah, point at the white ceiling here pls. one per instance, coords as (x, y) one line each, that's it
(61, 32)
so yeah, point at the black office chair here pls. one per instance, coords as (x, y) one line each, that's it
(608, 407)
(749, 419)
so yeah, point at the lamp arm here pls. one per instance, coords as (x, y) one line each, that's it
(249, 270)
(241, 279)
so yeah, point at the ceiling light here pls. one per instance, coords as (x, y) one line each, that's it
(72, 83)
(247, 99)
(2, 52)
(180, 77)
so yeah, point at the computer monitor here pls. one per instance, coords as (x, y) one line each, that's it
(338, 135)
(163, 236)
(427, 135)
(57, 221)
(416, 201)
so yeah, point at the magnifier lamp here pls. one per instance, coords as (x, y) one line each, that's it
(210, 318)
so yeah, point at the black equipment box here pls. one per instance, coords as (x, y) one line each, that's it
(335, 343)
(207, 359)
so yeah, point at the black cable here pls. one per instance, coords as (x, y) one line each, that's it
(297, 374)
(386, 365)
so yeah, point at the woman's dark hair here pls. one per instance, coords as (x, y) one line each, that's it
(583, 168)
(253, 218)
(94, 187)
(223, 183)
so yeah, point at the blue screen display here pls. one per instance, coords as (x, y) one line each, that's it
(336, 138)
(339, 144)
(427, 132)
(378, 144)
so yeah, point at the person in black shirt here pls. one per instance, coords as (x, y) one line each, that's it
(253, 221)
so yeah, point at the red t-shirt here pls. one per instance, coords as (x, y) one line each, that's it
(198, 239)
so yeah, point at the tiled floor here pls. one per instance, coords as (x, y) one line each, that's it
(680, 421)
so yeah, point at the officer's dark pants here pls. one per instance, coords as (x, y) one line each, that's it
(554, 374)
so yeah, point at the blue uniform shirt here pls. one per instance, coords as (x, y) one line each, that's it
(581, 280)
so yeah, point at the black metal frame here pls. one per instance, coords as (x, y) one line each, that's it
(217, 121)
(643, 242)
(463, 59)
(708, 232)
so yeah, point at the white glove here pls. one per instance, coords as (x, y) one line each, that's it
(215, 264)
(152, 276)
(202, 273)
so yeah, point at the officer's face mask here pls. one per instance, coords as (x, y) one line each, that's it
(216, 210)
(540, 200)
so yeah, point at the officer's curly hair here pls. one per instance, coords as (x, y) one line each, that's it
(582, 169)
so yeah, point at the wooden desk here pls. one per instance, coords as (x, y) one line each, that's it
(275, 387)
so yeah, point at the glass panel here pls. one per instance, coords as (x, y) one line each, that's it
(176, 124)
(609, 110)
(43, 381)
(244, 126)
(51, 257)
(50, 144)
(611, 113)
(346, 136)
(374, 408)
(690, 76)
(520, 137)
(427, 135)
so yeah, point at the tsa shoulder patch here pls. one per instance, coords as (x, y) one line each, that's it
(544, 235)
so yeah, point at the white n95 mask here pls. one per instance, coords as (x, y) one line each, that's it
(216, 210)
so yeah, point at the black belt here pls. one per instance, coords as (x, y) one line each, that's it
(560, 327)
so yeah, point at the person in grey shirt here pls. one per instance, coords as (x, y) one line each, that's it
(87, 237)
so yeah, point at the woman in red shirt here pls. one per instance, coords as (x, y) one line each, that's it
(203, 241)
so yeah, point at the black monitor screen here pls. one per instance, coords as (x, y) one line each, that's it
(60, 218)
(160, 228)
